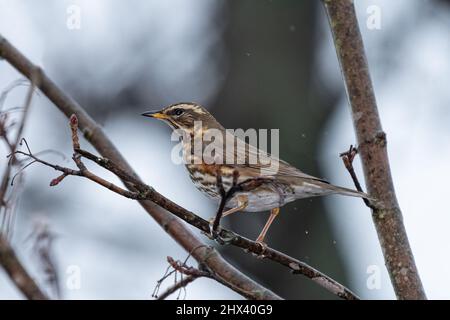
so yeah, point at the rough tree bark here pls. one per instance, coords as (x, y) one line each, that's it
(205, 255)
(387, 215)
(94, 134)
(15, 270)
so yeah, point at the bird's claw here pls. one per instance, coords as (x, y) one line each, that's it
(214, 234)
(264, 247)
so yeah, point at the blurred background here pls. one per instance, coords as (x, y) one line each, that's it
(253, 64)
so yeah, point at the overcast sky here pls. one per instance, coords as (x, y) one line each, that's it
(413, 99)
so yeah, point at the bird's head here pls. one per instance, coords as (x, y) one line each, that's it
(184, 116)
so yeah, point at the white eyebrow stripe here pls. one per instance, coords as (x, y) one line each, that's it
(194, 108)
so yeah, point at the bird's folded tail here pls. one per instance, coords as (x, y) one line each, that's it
(319, 188)
(350, 192)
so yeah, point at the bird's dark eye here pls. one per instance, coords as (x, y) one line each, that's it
(178, 112)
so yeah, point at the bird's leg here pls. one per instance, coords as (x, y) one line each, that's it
(273, 213)
(242, 204)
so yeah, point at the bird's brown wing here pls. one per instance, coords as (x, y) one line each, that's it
(287, 170)
(276, 168)
(283, 171)
(269, 166)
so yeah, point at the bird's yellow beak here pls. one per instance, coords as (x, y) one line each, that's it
(155, 114)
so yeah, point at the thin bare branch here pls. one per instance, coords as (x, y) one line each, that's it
(112, 160)
(190, 274)
(387, 215)
(35, 77)
(42, 245)
(145, 192)
(8, 215)
(8, 259)
(179, 285)
(8, 89)
(17, 273)
(347, 158)
(95, 135)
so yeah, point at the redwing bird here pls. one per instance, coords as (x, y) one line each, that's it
(278, 181)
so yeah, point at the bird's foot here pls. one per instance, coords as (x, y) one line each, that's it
(264, 246)
(214, 234)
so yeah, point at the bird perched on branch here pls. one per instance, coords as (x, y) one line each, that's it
(259, 181)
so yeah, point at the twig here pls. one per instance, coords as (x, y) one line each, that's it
(12, 145)
(95, 135)
(177, 286)
(8, 259)
(8, 89)
(42, 242)
(191, 274)
(205, 255)
(387, 215)
(34, 78)
(145, 192)
(17, 273)
(347, 158)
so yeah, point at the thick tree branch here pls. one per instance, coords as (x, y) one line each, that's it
(145, 192)
(95, 135)
(387, 215)
(17, 273)
(114, 161)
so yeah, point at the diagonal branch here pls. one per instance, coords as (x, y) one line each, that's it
(113, 161)
(184, 281)
(182, 284)
(348, 157)
(145, 192)
(95, 135)
(188, 275)
(387, 215)
(17, 273)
